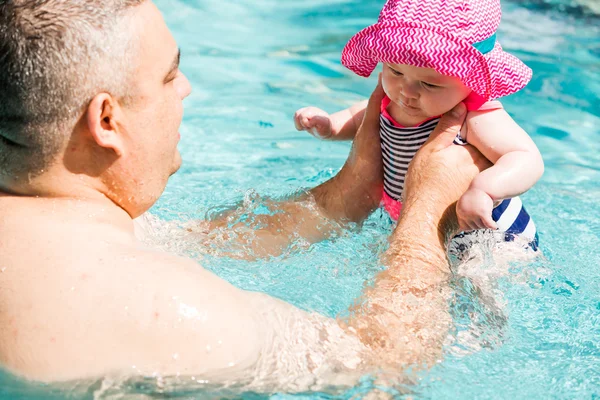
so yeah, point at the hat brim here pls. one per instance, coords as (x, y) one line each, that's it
(507, 73)
(492, 75)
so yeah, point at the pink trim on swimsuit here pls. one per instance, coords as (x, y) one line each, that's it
(474, 102)
(392, 206)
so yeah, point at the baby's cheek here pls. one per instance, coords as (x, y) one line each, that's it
(388, 87)
(440, 104)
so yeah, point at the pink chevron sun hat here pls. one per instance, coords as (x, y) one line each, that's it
(455, 37)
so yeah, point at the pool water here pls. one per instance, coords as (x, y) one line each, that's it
(253, 63)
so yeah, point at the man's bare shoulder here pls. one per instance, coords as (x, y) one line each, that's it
(89, 289)
(84, 299)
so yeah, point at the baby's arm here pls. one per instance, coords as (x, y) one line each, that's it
(341, 125)
(517, 166)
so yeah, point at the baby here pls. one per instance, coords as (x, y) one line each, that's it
(436, 54)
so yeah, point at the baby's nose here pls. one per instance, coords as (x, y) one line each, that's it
(410, 90)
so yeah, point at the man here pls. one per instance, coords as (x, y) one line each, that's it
(90, 104)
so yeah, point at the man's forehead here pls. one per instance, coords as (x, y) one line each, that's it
(157, 44)
(151, 21)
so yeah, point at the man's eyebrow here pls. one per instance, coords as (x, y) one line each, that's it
(174, 65)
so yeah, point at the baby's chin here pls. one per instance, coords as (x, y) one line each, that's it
(414, 112)
(410, 110)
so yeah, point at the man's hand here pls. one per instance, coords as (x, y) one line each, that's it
(315, 121)
(403, 317)
(441, 172)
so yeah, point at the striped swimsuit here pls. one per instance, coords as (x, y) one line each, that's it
(399, 145)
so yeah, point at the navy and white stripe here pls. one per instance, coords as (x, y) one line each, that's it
(399, 146)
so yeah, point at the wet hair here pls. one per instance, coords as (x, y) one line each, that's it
(55, 56)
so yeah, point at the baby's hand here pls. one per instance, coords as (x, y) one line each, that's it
(474, 211)
(314, 120)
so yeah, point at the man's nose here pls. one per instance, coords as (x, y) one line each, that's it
(186, 88)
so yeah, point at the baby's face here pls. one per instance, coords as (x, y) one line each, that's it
(421, 93)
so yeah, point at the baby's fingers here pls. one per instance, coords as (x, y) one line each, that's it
(464, 224)
(302, 117)
(299, 116)
(298, 124)
(318, 121)
(319, 126)
(315, 132)
(488, 222)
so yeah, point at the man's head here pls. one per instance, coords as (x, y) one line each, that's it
(92, 87)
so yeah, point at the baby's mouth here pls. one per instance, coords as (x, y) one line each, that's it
(408, 106)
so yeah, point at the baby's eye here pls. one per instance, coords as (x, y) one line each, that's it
(397, 73)
(429, 85)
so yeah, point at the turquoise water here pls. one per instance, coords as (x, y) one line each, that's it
(253, 63)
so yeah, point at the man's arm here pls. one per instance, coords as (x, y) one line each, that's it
(350, 196)
(403, 317)
(356, 190)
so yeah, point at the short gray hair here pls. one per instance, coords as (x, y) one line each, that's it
(55, 56)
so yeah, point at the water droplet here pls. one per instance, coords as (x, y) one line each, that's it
(208, 348)
(3, 269)
(175, 356)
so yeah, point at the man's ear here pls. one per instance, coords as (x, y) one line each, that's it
(102, 114)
